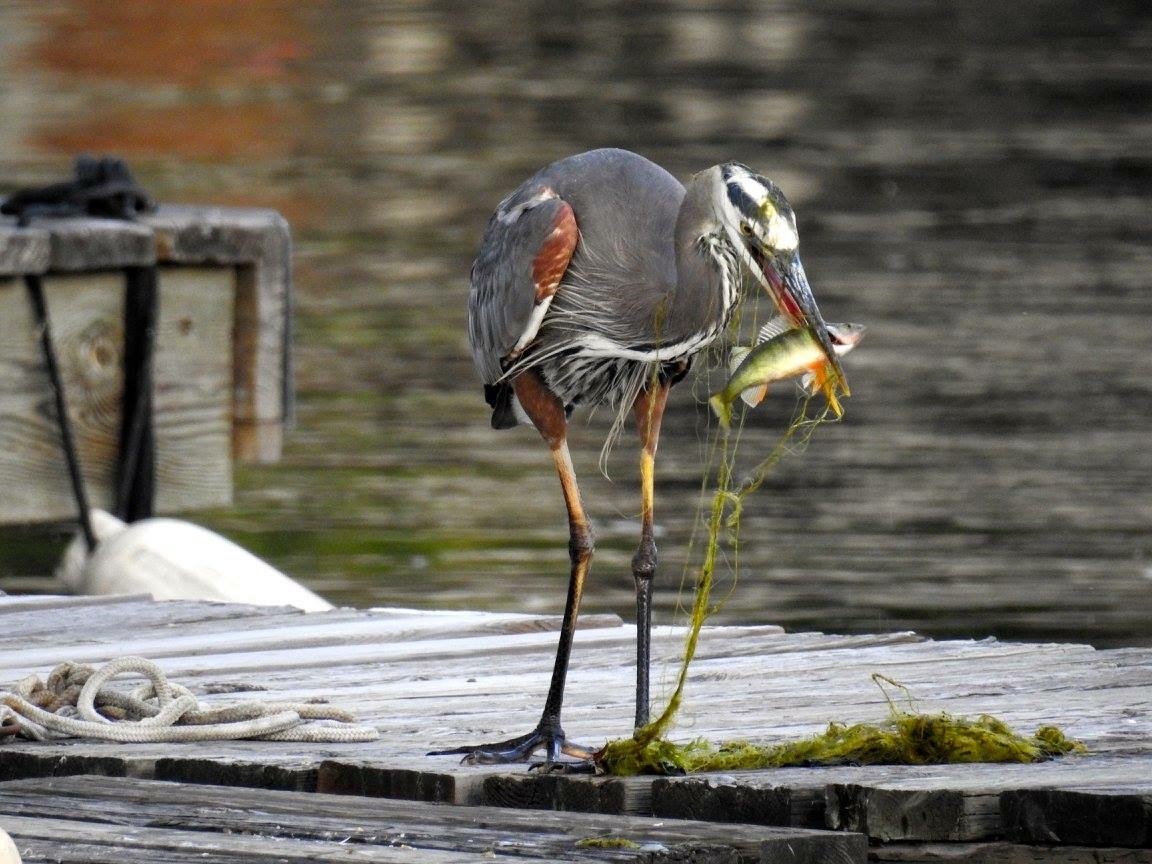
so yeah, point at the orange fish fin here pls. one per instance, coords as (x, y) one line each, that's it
(828, 382)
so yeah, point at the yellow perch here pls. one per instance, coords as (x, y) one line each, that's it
(783, 355)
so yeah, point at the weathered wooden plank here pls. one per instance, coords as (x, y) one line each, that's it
(728, 800)
(42, 615)
(36, 603)
(374, 822)
(87, 244)
(609, 795)
(258, 244)
(22, 250)
(1110, 815)
(1003, 853)
(888, 803)
(87, 321)
(222, 369)
(192, 389)
(90, 618)
(66, 841)
(403, 779)
(205, 626)
(317, 643)
(941, 814)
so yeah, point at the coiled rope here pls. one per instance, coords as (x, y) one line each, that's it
(75, 703)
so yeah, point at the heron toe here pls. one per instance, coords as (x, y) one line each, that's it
(548, 737)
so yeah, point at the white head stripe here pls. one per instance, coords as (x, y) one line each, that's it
(781, 234)
(752, 187)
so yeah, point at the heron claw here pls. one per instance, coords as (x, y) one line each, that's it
(584, 766)
(547, 736)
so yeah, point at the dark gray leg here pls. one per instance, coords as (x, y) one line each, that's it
(649, 411)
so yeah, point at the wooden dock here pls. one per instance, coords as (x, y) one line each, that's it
(437, 679)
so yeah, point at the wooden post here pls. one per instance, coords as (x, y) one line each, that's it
(222, 367)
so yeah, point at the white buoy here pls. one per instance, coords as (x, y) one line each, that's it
(9, 854)
(175, 560)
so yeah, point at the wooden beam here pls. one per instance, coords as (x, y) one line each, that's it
(22, 250)
(86, 244)
(258, 243)
(144, 813)
(1113, 815)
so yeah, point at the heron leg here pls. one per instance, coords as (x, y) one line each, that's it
(648, 411)
(547, 414)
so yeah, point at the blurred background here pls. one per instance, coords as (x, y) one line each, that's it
(971, 181)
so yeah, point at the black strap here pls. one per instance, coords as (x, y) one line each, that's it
(44, 328)
(136, 465)
(105, 187)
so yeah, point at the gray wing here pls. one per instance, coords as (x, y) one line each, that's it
(523, 255)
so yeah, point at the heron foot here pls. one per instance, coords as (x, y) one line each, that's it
(582, 766)
(547, 736)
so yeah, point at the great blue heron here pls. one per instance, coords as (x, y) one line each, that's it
(597, 281)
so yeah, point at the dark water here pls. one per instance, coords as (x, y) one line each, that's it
(971, 179)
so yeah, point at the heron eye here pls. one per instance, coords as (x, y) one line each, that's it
(746, 229)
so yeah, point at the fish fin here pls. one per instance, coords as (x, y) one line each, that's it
(775, 326)
(736, 357)
(722, 409)
(828, 382)
(808, 383)
(753, 396)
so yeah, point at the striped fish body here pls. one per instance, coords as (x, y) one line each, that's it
(783, 353)
(784, 356)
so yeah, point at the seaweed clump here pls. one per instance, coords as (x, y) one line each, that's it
(906, 739)
(607, 843)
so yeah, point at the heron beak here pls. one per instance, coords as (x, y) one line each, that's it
(788, 285)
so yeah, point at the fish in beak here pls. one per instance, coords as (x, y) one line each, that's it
(790, 291)
(763, 224)
(781, 352)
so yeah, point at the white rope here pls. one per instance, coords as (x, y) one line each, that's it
(75, 703)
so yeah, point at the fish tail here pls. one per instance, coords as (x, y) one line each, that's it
(722, 409)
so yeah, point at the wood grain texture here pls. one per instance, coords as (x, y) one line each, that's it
(1111, 815)
(193, 387)
(162, 816)
(1004, 853)
(22, 250)
(82, 244)
(258, 244)
(192, 381)
(86, 313)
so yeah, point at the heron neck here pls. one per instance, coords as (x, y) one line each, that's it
(705, 292)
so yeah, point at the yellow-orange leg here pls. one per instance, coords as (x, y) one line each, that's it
(547, 415)
(648, 411)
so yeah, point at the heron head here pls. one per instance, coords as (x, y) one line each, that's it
(761, 225)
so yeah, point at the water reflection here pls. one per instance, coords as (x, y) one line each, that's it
(971, 181)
